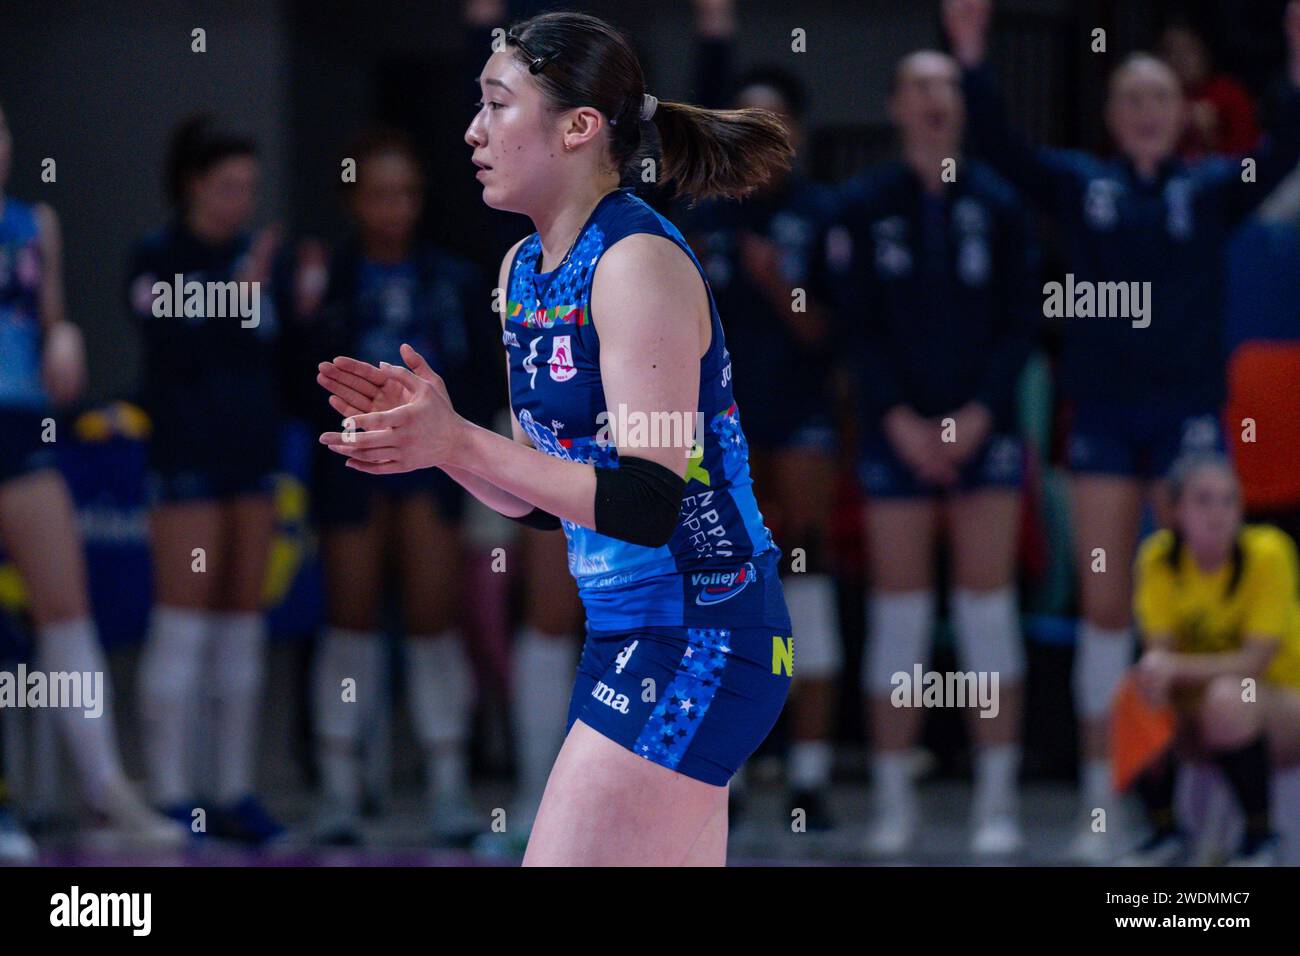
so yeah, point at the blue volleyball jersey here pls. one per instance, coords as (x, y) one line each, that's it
(720, 563)
(20, 308)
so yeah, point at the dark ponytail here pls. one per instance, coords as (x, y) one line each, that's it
(580, 60)
(198, 144)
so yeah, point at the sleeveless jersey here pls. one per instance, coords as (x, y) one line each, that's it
(20, 311)
(721, 563)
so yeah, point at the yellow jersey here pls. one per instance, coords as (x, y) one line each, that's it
(1204, 618)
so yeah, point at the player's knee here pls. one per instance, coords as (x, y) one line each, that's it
(1227, 720)
(901, 626)
(1101, 656)
(986, 625)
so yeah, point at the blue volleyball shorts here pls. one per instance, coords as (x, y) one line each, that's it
(697, 700)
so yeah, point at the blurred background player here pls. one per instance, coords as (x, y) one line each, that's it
(42, 364)
(936, 272)
(545, 652)
(760, 255)
(1140, 396)
(385, 287)
(1218, 602)
(210, 478)
(1220, 110)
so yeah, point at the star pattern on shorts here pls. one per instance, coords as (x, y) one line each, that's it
(678, 714)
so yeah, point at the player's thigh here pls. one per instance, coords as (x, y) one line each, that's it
(430, 561)
(900, 542)
(983, 527)
(249, 526)
(352, 560)
(804, 480)
(550, 593)
(605, 806)
(188, 553)
(38, 527)
(1107, 515)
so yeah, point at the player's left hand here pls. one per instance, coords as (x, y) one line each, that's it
(1155, 675)
(63, 368)
(420, 433)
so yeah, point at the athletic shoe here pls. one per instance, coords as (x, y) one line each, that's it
(997, 835)
(121, 813)
(335, 826)
(246, 821)
(1257, 851)
(891, 833)
(814, 804)
(1165, 847)
(15, 845)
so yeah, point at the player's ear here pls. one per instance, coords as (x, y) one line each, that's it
(581, 125)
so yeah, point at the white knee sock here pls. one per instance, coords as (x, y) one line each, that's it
(986, 625)
(901, 625)
(441, 691)
(543, 680)
(1101, 657)
(343, 655)
(811, 600)
(169, 684)
(73, 647)
(238, 655)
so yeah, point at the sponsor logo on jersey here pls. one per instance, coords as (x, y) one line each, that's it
(561, 361)
(624, 656)
(718, 586)
(607, 696)
(508, 337)
(529, 367)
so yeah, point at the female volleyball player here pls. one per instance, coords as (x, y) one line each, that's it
(1217, 603)
(198, 287)
(42, 364)
(384, 287)
(612, 338)
(1146, 380)
(936, 280)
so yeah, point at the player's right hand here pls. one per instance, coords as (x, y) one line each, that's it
(967, 25)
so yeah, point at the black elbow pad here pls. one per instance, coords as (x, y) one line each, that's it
(539, 519)
(639, 502)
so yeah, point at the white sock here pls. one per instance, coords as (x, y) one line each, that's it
(238, 653)
(810, 599)
(543, 681)
(810, 764)
(1101, 657)
(891, 775)
(1096, 787)
(996, 771)
(441, 690)
(343, 655)
(73, 647)
(169, 678)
